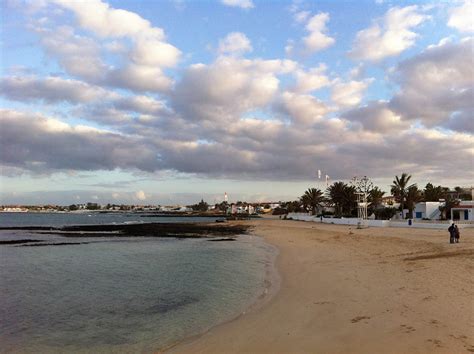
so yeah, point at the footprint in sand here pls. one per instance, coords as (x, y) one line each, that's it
(436, 342)
(407, 329)
(360, 318)
(463, 338)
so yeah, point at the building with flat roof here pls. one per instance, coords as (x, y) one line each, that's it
(463, 211)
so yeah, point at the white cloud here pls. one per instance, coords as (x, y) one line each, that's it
(357, 72)
(311, 80)
(461, 121)
(244, 4)
(139, 78)
(462, 17)
(79, 55)
(436, 83)
(228, 87)
(388, 36)
(234, 43)
(141, 104)
(377, 117)
(151, 52)
(140, 195)
(303, 109)
(105, 21)
(301, 16)
(102, 105)
(51, 89)
(41, 144)
(142, 49)
(317, 39)
(235, 117)
(349, 93)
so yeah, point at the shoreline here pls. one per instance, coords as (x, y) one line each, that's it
(349, 290)
(272, 283)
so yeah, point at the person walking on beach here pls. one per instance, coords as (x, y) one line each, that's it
(457, 233)
(451, 230)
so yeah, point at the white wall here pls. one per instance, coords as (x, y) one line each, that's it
(420, 208)
(302, 217)
(431, 207)
(376, 223)
(426, 208)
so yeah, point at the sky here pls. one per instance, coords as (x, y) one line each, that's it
(168, 102)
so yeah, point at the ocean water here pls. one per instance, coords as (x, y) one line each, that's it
(123, 295)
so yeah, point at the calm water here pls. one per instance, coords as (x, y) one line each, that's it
(123, 295)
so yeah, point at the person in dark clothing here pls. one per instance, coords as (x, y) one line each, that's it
(457, 234)
(452, 230)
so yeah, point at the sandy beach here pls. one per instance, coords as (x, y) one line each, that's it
(344, 290)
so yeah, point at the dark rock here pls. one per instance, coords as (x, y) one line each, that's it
(53, 244)
(179, 230)
(222, 239)
(16, 242)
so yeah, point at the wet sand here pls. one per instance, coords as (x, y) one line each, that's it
(344, 290)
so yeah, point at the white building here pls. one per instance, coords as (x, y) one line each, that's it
(463, 212)
(250, 209)
(427, 210)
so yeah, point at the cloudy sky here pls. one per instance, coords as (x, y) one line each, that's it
(168, 102)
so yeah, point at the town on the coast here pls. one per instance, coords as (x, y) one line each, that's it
(354, 200)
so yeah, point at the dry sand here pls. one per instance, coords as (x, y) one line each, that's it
(344, 290)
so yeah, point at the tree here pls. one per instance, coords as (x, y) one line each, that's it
(92, 206)
(458, 191)
(292, 207)
(312, 199)
(375, 198)
(400, 187)
(449, 203)
(362, 184)
(463, 193)
(432, 193)
(201, 206)
(222, 206)
(73, 207)
(343, 197)
(385, 213)
(414, 196)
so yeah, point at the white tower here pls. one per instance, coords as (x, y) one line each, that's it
(225, 197)
(362, 210)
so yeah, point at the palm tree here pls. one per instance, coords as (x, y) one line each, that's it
(449, 203)
(414, 196)
(312, 199)
(343, 197)
(432, 193)
(400, 187)
(375, 197)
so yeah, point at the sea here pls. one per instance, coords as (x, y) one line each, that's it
(121, 295)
